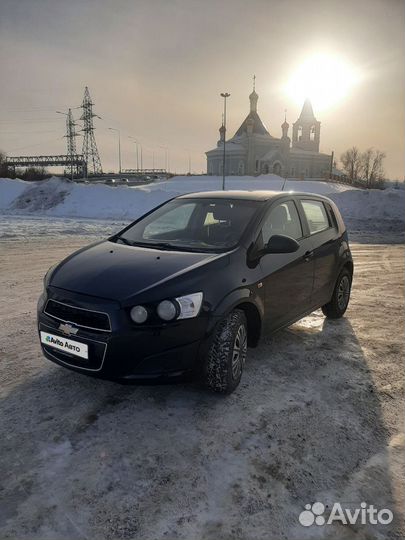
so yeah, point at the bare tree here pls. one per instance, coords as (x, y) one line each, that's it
(34, 173)
(366, 164)
(372, 170)
(4, 172)
(377, 169)
(351, 161)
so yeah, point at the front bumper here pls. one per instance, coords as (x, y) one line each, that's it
(126, 352)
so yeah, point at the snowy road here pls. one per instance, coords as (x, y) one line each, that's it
(318, 417)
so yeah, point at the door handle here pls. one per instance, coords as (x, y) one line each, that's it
(308, 256)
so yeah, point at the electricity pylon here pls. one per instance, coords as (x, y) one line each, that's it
(70, 136)
(71, 139)
(90, 152)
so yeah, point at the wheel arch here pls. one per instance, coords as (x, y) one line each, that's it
(251, 304)
(254, 322)
(349, 265)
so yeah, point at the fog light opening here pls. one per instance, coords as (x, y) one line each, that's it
(139, 314)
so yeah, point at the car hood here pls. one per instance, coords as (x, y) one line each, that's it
(118, 272)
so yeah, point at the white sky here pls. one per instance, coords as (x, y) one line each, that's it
(155, 69)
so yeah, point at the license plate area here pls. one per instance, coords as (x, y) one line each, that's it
(65, 345)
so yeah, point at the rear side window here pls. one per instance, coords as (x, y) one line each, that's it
(283, 219)
(316, 215)
(332, 216)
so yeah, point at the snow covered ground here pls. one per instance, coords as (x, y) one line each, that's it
(318, 417)
(100, 209)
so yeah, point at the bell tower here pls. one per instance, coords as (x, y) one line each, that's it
(306, 130)
(285, 126)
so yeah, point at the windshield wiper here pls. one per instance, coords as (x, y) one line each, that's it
(162, 245)
(123, 240)
(165, 246)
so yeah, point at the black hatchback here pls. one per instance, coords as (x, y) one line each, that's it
(189, 286)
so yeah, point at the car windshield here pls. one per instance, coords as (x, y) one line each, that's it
(192, 225)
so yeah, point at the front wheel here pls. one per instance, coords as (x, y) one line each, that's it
(341, 296)
(227, 354)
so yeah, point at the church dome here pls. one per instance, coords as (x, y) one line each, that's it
(252, 123)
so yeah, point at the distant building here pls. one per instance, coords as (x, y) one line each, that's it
(252, 150)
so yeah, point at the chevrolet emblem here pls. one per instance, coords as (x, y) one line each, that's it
(68, 329)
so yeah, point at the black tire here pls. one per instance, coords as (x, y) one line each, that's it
(227, 354)
(341, 295)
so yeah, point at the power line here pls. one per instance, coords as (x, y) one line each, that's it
(28, 132)
(29, 121)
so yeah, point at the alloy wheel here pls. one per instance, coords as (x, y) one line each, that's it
(239, 351)
(343, 292)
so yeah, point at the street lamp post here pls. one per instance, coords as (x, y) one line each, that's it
(119, 147)
(224, 95)
(166, 149)
(137, 151)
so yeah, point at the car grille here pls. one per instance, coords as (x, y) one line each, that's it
(94, 320)
(97, 351)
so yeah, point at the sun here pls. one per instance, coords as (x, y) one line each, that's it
(323, 78)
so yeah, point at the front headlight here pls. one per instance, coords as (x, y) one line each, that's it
(41, 301)
(182, 307)
(190, 305)
(167, 310)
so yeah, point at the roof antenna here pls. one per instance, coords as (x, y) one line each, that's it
(285, 181)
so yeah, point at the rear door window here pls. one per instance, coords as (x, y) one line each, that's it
(282, 219)
(332, 216)
(316, 215)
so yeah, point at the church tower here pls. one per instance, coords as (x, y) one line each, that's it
(284, 128)
(306, 130)
(221, 134)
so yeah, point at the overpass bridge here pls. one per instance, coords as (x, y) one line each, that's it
(75, 163)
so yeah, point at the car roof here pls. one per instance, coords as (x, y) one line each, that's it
(233, 194)
(254, 195)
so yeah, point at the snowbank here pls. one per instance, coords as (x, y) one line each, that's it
(63, 199)
(10, 190)
(184, 184)
(371, 203)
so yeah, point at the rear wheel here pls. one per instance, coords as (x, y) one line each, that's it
(227, 354)
(341, 296)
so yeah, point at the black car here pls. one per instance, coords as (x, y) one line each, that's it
(186, 288)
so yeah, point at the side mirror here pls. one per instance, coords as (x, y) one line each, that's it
(279, 243)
